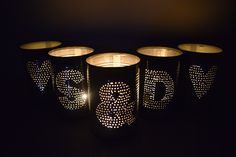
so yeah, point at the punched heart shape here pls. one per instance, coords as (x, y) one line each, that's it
(201, 81)
(40, 73)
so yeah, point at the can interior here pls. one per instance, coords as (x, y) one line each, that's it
(40, 45)
(200, 48)
(71, 51)
(157, 51)
(113, 60)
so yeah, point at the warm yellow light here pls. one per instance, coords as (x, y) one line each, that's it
(84, 96)
(40, 45)
(74, 51)
(158, 51)
(200, 48)
(113, 59)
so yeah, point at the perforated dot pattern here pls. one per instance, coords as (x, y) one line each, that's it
(151, 78)
(115, 108)
(40, 72)
(137, 86)
(201, 82)
(74, 98)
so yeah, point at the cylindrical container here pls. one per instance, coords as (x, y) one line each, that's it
(159, 72)
(38, 67)
(199, 71)
(113, 93)
(70, 80)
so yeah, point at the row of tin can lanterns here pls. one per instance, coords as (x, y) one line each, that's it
(113, 87)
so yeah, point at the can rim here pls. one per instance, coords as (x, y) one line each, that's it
(200, 48)
(113, 60)
(71, 51)
(38, 45)
(159, 51)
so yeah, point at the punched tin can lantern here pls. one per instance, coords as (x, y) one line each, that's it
(200, 67)
(159, 72)
(38, 66)
(70, 80)
(113, 87)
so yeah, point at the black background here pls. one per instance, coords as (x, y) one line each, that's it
(32, 130)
